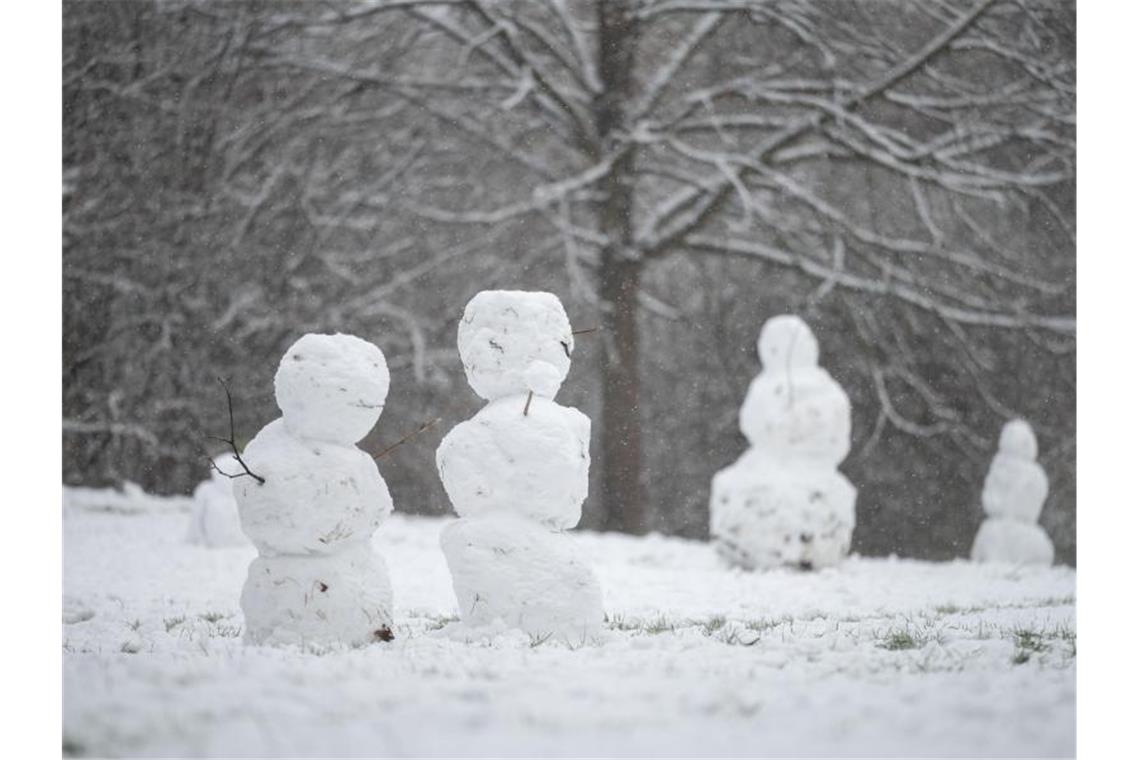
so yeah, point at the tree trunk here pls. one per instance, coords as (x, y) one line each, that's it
(619, 273)
(621, 413)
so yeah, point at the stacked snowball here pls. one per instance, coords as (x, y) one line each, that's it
(214, 517)
(517, 474)
(1012, 497)
(317, 579)
(784, 502)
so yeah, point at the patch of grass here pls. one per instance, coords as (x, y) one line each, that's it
(174, 622)
(537, 640)
(948, 609)
(766, 624)
(1029, 640)
(896, 641)
(660, 625)
(213, 617)
(713, 624)
(134, 626)
(1028, 643)
(130, 647)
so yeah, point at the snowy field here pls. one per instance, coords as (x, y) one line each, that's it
(874, 658)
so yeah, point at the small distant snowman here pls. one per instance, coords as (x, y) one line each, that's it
(517, 474)
(214, 518)
(317, 579)
(1013, 497)
(784, 502)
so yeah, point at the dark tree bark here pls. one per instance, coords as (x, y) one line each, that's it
(619, 275)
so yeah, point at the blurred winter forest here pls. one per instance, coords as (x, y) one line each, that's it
(899, 173)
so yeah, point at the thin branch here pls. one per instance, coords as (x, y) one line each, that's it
(407, 437)
(233, 444)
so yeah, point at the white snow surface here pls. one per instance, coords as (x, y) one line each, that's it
(515, 341)
(503, 461)
(875, 657)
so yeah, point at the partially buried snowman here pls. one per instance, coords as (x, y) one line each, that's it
(317, 579)
(517, 474)
(213, 514)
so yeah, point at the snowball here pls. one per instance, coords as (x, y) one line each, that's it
(332, 387)
(543, 379)
(503, 334)
(786, 342)
(512, 570)
(765, 512)
(1014, 488)
(214, 518)
(1017, 439)
(343, 598)
(802, 413)
(316, 497)
(535, 464)
(1009, 540)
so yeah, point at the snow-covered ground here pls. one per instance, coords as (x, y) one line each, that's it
(873, 658)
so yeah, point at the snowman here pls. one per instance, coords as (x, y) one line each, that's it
(784, 502)
(213, 513)
(1012, 497)
(316, 579)
(517, 474)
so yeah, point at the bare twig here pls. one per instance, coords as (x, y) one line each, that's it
(233, 444)
(526, 409)
(585, 331)
(409, 436)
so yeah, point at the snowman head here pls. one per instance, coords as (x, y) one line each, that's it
(1018, 440)
(786, 342)
(514, 342)
(332, 387)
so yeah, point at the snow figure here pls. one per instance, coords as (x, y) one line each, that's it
(1012, 497)
(517, 474)
(317, 579)
(784, 502)
(214, 517)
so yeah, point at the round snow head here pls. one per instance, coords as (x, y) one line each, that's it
(513, 342)
(1017, 439)
(332, 387)
(787, 342)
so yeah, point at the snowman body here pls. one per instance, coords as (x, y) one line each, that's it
(517, 474)
(784, 501)
(214, 520)
(317, 579)
(1013, 497)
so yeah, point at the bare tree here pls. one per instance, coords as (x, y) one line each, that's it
(878, 149)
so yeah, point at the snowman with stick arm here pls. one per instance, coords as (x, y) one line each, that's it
(316, 500)
(517, 474)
